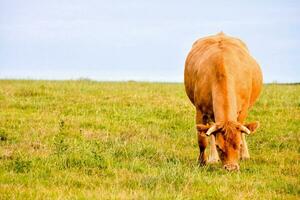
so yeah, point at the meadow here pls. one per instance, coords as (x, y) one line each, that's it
(134, 140)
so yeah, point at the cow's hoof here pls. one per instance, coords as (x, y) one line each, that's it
(213, 160)
(202, 162)
(245, 157)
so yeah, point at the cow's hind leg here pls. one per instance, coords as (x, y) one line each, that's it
(202, 140)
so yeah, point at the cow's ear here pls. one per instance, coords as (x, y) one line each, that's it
(202, 127)
(252, 126)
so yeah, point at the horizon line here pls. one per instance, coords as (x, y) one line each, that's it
(122, 80)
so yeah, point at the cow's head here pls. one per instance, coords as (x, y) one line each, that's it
(228, 140)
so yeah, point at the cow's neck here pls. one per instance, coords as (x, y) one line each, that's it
(224, 99)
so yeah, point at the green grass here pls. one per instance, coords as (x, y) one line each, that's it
(128, 140)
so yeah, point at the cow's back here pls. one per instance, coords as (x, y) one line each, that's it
(216, 57)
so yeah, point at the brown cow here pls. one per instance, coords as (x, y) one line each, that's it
(223, 81)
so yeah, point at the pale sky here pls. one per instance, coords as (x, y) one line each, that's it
(140, 40)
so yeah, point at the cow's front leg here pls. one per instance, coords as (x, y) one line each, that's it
(244, 150)
(213, 156)
(244, 153)
(202, 142)
(202, 139)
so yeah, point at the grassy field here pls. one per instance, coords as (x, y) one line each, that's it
(128, 140)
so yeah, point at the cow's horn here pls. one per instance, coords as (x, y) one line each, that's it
(211, 130)
(245, 129)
